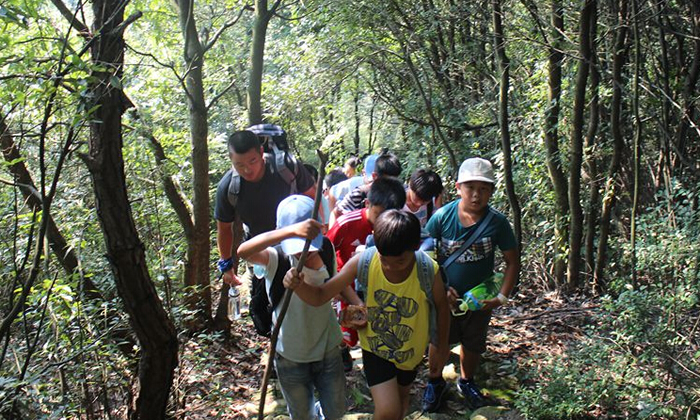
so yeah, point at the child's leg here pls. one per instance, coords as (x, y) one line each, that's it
(329, 380)
(388, 404)
(468, 361)
(296, 382)
(388, 385)
(473, 341)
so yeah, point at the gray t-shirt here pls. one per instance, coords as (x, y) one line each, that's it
(307, 332)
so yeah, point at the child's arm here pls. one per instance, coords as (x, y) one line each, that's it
(442, 309)
(252, 249)
(512, 260)
(318, 295)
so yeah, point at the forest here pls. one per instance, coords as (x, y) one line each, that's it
(113, 119)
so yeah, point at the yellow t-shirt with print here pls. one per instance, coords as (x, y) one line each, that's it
(397, 317)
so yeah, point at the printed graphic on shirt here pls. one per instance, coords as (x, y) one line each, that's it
(478, 251)
(385, 320)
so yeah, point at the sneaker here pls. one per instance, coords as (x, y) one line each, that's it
(475, 399)
(347, 359)
(433, 395)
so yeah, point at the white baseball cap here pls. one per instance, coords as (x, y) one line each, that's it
(476, 169)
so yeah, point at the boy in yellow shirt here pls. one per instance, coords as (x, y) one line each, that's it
(404, 311)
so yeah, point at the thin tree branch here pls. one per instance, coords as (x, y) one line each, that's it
(221, 30)
(71, 17)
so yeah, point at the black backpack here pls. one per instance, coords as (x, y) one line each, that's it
(262, 307)
(276, 151)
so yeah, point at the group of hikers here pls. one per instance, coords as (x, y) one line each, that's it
(373, 255)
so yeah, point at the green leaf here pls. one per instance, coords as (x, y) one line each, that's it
(115, 82)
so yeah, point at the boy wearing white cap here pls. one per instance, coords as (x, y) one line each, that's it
(453, 226)
(308, 355)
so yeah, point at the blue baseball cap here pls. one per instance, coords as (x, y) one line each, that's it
(370, 163)
(291, 210)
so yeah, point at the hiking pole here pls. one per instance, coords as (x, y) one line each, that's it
(288, 292)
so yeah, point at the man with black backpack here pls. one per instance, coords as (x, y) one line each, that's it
(262, 174)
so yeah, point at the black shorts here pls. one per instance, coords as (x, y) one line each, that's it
(470, 330)
(378, 370)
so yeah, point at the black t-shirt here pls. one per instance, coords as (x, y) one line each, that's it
(257, 201)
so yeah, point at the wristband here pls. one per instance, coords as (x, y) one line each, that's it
(502, 298)
(224, 265)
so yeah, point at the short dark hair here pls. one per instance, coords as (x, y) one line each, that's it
(395, 232)
(387, 192)
(352, 162)
(311, 169)
(426, 184)
(387, 165)
(242, 141)
(333, 177)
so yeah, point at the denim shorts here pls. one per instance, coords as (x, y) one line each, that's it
(298, 381)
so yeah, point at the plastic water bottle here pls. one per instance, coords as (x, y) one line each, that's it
(234, 303)
(471, 301)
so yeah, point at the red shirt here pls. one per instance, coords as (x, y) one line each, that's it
(349, 231)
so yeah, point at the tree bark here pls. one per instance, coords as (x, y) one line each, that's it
(551, 140)
(125, 251)
(58, 243)
(689, 87)
(636, 155)
(610, 197)
(196, 276)
(257, 59)
(356, 103)
(593, 206)
(576, 146)
(504, 67)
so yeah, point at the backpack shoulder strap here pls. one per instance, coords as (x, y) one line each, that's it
(426, 273)
(234, 187)
(363, 268)
(426, 277)
(474, 236)
(277, 285)
(286, 166)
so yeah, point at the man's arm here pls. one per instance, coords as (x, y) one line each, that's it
(318, 295)
(224, 242)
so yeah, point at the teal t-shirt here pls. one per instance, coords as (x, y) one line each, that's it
(477, 263)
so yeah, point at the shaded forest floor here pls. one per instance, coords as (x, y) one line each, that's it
(220, 376)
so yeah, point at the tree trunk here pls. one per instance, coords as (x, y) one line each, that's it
(551, 141)
(504, 64)
(257, 59)
(58, 243)
(593, 206)
(154, 330)
(691, 80)
(637, 138)
(610, 198)
(196, 274)
(576, 146)
(356, 101)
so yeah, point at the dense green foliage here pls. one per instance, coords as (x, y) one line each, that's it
(351, 77)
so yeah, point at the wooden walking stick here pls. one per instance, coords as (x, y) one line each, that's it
(288, 293)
